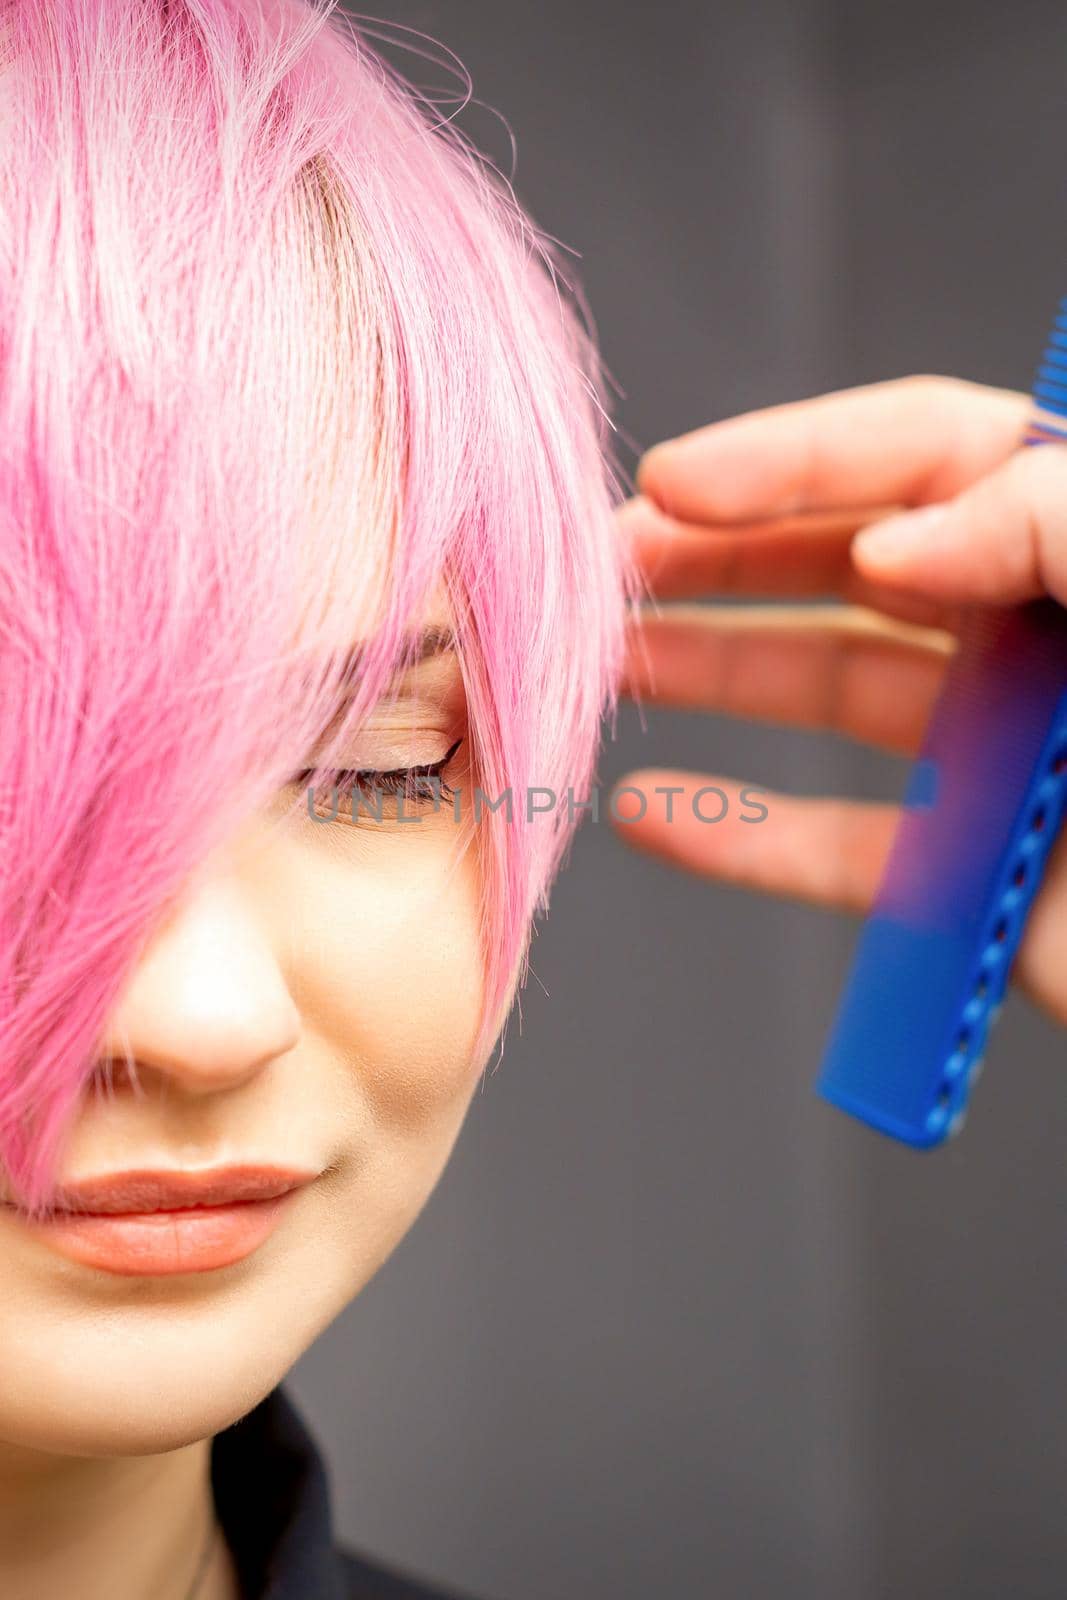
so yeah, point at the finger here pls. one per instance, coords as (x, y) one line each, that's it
(1001, 541)
(909, 440)
(805, 554)
(831, 667)
(822, 851)
(790, 556)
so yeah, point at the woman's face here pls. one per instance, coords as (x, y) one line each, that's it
(312, 1004)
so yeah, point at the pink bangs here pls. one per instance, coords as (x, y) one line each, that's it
(278, 356)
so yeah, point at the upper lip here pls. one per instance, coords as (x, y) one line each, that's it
(177, 1189)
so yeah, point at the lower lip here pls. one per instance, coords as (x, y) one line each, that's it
(158, 1243)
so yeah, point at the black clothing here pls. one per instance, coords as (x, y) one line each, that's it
(273, 1501)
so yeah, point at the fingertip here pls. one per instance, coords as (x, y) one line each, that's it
(900, 542)
(725, 472)
(653, 469)
(943, 553)
(641, 515)
(627, 802)
(684, 476)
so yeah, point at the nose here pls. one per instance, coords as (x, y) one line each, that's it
(207, 1005)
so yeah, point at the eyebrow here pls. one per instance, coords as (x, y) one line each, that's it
(423, 645)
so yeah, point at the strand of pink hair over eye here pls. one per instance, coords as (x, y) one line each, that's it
(273, 340)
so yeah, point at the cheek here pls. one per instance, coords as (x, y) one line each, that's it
(388, 970)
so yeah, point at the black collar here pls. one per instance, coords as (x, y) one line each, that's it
(273, 1501)
(272, 1496)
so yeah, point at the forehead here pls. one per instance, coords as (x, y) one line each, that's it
(437, 614)
(429, 627)
(432, 665)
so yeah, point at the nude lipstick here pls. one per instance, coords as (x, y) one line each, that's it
(155, 1223)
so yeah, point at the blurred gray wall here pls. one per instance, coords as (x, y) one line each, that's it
(670, 1322)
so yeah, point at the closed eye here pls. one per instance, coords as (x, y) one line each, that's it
(420, 784)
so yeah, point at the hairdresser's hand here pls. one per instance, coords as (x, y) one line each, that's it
(816, 499)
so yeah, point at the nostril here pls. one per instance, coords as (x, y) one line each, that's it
(113, 1074)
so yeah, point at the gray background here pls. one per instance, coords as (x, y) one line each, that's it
(669, 1320)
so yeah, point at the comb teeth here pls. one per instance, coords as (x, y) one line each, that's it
(1001, 938)
(986, 799)
(1050, 387)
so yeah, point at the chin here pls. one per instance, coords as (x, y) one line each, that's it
(126, 1420)
(153, 1371)
(157, 1397)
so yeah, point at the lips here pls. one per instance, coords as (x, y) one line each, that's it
(154, 1223)
(173, 1191)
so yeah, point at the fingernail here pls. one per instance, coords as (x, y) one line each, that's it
(899, 538)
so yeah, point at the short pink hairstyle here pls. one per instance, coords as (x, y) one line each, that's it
(273, 339)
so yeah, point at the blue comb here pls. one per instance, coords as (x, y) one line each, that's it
(983, 806)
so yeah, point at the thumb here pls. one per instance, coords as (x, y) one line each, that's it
(1001, 541)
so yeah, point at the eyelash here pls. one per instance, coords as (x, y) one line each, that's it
(403, 781)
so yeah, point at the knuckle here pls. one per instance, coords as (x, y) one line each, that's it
(944, 394)
(934, 387)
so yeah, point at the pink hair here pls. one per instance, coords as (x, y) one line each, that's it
(265, 319)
